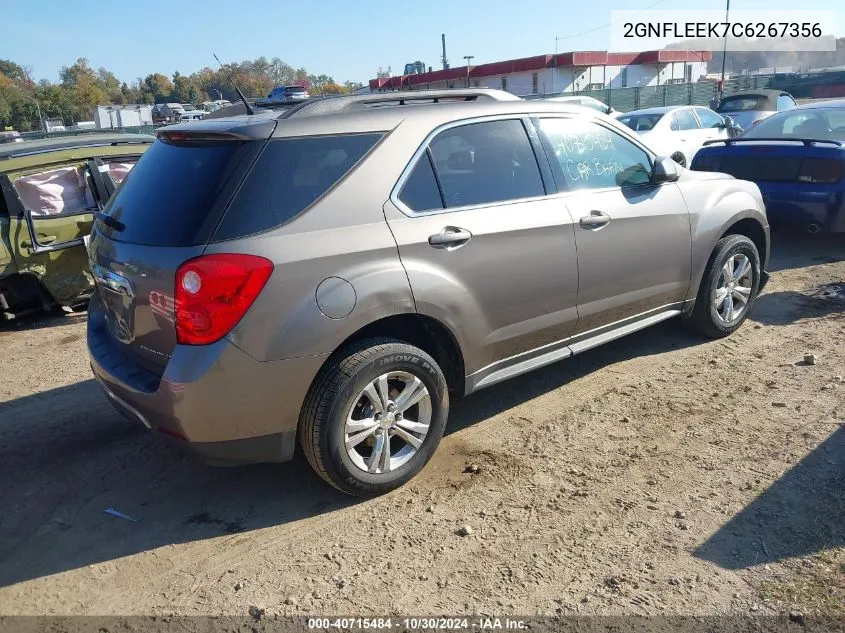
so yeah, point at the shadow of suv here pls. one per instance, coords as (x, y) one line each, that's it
(338, 271)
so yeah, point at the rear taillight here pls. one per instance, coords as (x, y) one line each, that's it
(821, 171)
(706, 162)
(213, 292)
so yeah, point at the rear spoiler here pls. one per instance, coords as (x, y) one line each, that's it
(808, 142)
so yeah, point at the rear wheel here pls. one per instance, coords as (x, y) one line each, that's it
(728, 288)
(374, 416)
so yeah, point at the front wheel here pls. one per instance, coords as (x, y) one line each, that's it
(374, 416)
(728, 288)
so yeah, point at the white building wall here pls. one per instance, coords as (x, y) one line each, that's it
(568, 79)
(638, 75)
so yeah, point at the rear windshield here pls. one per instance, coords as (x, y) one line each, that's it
(747, 103)
(288, 177)
(175, 194)
(826, 124)
(295, 89)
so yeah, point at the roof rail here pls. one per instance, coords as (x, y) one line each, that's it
(14, 150)
(806, 141)
(332, 105)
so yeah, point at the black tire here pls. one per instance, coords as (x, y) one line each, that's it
(333, 394)
(704, 317)
(679, 158)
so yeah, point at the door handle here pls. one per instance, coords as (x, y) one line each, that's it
(594, 221)
(43, 240)
(450, 236)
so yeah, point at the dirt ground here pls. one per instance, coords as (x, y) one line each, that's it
(660, 474)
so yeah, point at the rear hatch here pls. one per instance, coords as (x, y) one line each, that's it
(164, 214)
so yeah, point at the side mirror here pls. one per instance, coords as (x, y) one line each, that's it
(665, 170)
(732, 126)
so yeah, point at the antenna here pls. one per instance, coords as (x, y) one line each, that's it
(249, 110)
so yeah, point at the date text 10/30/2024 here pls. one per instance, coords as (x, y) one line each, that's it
(442, 624)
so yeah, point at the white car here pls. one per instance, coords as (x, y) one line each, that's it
(584, 100)
(677, 131)
(192, 115)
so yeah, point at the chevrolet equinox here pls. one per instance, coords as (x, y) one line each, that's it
(336, 272)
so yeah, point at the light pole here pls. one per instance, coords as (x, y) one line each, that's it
(724, 51)
(554, 68)
(40, 120)
(469, 58)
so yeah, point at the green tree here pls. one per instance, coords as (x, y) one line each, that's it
(159, 87)
(111, 86)
(17, 106)
(185, 88)
(55, 101)
(17, 73)
(84, 87)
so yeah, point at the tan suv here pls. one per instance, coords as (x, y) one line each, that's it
(340, 270)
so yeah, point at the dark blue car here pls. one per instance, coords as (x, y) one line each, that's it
(797, 158)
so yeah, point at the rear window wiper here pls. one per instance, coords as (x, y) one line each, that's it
(110, 221)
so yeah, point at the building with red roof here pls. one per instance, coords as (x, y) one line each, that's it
(563, 72)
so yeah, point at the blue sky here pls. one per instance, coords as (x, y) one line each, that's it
(346, 39)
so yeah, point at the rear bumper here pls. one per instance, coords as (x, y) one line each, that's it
(819, 210)
(213, 400)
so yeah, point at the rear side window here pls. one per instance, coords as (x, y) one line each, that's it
(420, 192)
(641, 122)
(288, 177)
(484, 163)
(175, 194)
(63, 191)
(785, 102)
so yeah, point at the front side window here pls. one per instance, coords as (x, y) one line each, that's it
(591, 156)
(684, 120)
(484, 163)
(708, 118)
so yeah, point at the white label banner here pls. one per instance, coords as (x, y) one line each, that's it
(710, 30)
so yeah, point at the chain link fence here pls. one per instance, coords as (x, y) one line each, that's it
(829, 84)
(138, 129)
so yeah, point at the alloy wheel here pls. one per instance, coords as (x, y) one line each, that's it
(387, 422)
(733, 291)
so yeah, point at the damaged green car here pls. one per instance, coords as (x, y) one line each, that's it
(50, 190)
